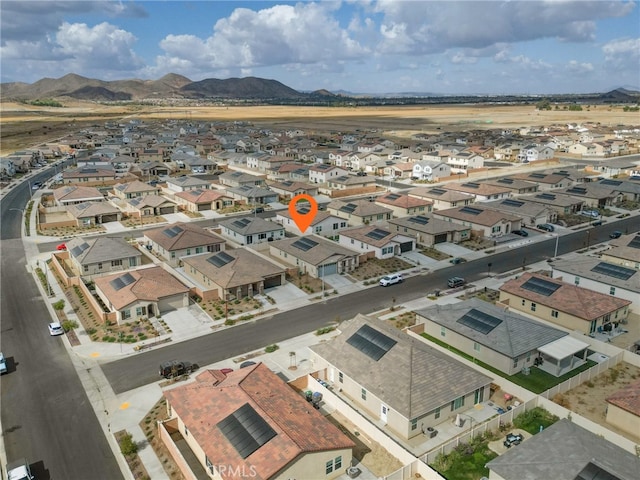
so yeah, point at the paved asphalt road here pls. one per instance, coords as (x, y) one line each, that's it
(46, 415)
(138, 370)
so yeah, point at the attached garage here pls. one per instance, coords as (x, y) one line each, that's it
(440, 238)
(274, 281)
(329, 269)
(173, 302)
(166, 210)
(406, 247)
(204, 206)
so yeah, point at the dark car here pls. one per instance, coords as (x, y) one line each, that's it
(258, 210)
(512, 439)
(546, 227)
(522, 233)
(175, 368)
(615, 234)
(457, 260)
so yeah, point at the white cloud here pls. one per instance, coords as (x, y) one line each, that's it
(579, 68)
(623, 54)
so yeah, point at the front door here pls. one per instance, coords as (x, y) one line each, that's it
(383, 413)
(478, 396)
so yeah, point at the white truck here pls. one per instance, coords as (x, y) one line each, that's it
(3, 364)
(19, 470)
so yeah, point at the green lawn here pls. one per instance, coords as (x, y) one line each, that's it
(466, 462)
(537, 381)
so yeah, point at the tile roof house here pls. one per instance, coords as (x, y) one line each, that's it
(348, 182)
(72, 194)
(252, 195)
(186, 182)
(428, 230)
(238, 179)
(624, 251)
(593, 194)
(199, 200)
(250, 230)
(546, 181)
(623, 409)
(531, 213)
(486, 222)
(231, 274)
(482, 192)
(565, 451)
(492, 334)
(249, 423)
(88, 214)
(134, 189)
(383, 242)
(397, 379)
(150, 205)
(289, 188)
(172, 242)
(519, 187)
(145, 292)
(324, 223)
(562, 204)
(315, 255)
(431, 170)
(94, 175)
(359, 212)
(442, 198)
(322, 173)
(403, 205)
(564, 304)
(102, 255)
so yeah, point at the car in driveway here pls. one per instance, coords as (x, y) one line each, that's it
(547, 227)
(522, 233)
(512, 439)
(457, 260)
(615, 234)
(391, 279)
(55, 328)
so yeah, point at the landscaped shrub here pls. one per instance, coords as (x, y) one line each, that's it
(69, 325)
(532, 420)
(271, 348)
(127, 445)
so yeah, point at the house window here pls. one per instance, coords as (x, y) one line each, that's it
(515, 362)
(186, 431)
(126, 314)
(213, 248)
(352, 242)
(173, 254)
(533, 307)
(85, 268)
(380, 216)
(476, 346)
(437, 414)
(133, 262)
(523, 302)
(262, 236)
(141, 311)
(100, 266)
(457, 403)
(209, 464)
(318, 229)
(554, 313)
(443, 331)
(363, 394)
(343, 224)
(341, 377)
(337, 462)
(612, 290)
(414, 424)
(116, 263)
(199, 249)
(329, 467)
(188, 251)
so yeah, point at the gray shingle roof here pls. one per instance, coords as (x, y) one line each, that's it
(101, 249)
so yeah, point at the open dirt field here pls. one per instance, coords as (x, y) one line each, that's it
(25, 125)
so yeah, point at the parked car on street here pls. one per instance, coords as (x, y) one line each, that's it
(455, 282)
(512, 439)
(615, 234)
(547, 227)
(522, 233)
(55, 328)
(3, 364)
(175, 368)
(391, 279)
(36, 185)
(457, 260)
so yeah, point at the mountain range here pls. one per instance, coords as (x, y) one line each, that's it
(179, 87)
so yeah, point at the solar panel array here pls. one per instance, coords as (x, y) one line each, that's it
(537, 175)
(371, 342)
(471, 210)
(220, 259)
(635, 242)
(546, 196)
(578, 190)
(608, 181)
(471, 185)
(377, 234)
(419, 220)
(304, 244)
(241, 223)
(392, 196)
(348, 208)
(343, 178)
(541, 286)
(437, 191)
(246, 430)
(512, 203)
(479, 321)
(612, 270)
(75, 251)
(173, 231)
(508, 181)
(121, 282)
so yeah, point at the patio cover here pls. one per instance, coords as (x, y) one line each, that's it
(563, 347)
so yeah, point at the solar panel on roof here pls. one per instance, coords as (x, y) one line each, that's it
(546, 196)
(246, 430)
(608, 181)
(75, 251)
(304, 244)
(512, 203)
(479, 321)
(612, 270)
(348, 208)
(173, 231)
(471, 185)
(127, 279)
(420, 220)
(437, 191)
(635, 242)
(241, 223)
(377, 234)
(392, 196)
(508, 181)
(541, 286)
(471, 210)
(371, 342)
(537, 175)
(220, 259)
(577, 190)
(116, 284)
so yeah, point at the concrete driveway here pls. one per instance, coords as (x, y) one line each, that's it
(453, 249)
(286, 293)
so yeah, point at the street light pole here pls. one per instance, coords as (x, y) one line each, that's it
(555, 253)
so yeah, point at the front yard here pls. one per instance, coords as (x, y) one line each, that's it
(375, 268)
(219, 309)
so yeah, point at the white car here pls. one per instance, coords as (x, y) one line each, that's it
(391, 279)
(55, 329)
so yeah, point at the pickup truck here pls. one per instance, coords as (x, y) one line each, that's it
(3, 364)
(19, 470)
(175, 368)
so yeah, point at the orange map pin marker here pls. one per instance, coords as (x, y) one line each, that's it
(303, 218)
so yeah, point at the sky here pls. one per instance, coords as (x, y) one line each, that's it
(368, 46)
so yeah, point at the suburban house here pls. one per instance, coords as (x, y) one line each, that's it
(383, 242)
(324, 223)
(517, 187)
(200, 200)
(428, 230)
(623, 409)
(359, 212)
(315, 255)
(531, 213)
(431, 171)
(483, 192)
(72, 194)
(629, 190)
(232, 274)
(89, 214)
(563, 304)
(565, 451)
(349, 182)
(149, 205)
(250, 230)
(600, 276)
(593, 194)
(485, 222)
(239, 179)
(562, 204)
(141, 293)
(92, 175)
(264, 162)
(252, 195)
(185, 183)
(147, 169)
(323, 173)
(289, 189)
(102, 255)
(251, 421)
(134, 189)
(396, 379)
(442, 198)
(501, 338)
(403, 205)
(172, 242)
(546, 181)
(624, 251)
(465, 160)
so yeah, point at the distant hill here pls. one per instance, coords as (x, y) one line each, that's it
(248, 87)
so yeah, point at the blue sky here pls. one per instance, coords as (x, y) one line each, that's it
(385, 46)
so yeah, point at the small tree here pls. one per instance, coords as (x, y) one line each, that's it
(127, 445)
(59, 305)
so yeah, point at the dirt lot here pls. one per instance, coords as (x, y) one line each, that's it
(26, 125)
(588, 399)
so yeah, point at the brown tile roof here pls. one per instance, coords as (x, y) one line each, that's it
(134, 187)
(402, 200)
(325, 252)
(152, 284)
(299, 427)
(77, 193)
(577, 301)
(360, 234)
(201, 196)
(486, 216)
(627, 398)
(190, 236)
(477, 188)
(440, 194)
(361, 208)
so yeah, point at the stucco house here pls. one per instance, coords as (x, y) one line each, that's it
(359, 212)
(623, 409)
(172, 242)
(134, 189)
(200, 200)
(251, 230)
(89, 214)
(324, 223)
(149, 205)
(384, 243)
(483, 221)
(483, 192)
(403, 205)
(323, 173)
(429, 231)
(624, 251)
(73, 194)
(187, 182)
(431, 171)
(250, 423)
(442, 198)
(102, 255)
(238, 179)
